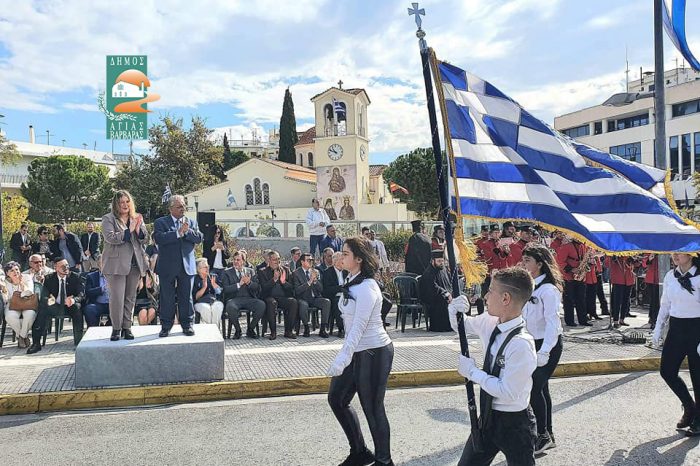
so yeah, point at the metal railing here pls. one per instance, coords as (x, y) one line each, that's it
(7, 179)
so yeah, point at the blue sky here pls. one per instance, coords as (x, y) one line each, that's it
(230, 61)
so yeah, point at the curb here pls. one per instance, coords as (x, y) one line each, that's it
(27, 403)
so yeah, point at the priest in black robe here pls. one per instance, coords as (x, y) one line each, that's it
(418, 249)
(435, 292)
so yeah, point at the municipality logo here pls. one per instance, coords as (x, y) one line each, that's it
(125, 104)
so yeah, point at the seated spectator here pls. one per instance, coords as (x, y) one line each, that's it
(66, 245)
(309, 292)
(244, 253)
(332, 280)
(205, 293)
(65, 290)
(42, 245)
(242, 291)
(277, 291)
(147, 293)
(331, 240)
(265, 263)
(96, 296)
(18, 317)
(37, 270)
(294, 261)
(326, 260)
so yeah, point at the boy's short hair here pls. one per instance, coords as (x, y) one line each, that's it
(516, 281)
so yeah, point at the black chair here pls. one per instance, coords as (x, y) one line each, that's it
(408, 301)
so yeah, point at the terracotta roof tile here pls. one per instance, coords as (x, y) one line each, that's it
(307, 137)
(376, 170)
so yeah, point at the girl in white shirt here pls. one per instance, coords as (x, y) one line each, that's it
(363, 364)
(541, 314)
(680, 311)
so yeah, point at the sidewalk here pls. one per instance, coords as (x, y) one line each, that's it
(432, 356)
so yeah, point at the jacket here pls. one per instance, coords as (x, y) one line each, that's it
(302, 289)
(120, 246)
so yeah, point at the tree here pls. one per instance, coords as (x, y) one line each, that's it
(66, 187)
(288, 130)
(232, 159)
(14, 212)
(416, 172)
(9, 155)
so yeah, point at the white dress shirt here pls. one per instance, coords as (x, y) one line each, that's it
(314, 218)
(362, 316)
(511, 389)
(678, 302)
(339, 274)
(542, 316)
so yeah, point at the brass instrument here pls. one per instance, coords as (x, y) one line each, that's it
(584, 265)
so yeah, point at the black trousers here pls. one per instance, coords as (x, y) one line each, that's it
(366, 375)
(681, 341)
(654, 298)
(513, 434)
(48, 312)
(590, 300)
(574, 297)
(540, 400)
(289, 305)
(600, 293)
(620, 301)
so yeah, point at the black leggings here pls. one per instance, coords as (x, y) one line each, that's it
(682, 340)
(540, 400)
(367, 376)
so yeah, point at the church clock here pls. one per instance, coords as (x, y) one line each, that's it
(335, 151)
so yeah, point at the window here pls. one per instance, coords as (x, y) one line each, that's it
(266, 193)
(633, 121)
(685, 108)
(577, 132)
(611, 126)
(300, 159)
(685, 156)
(598, 127)
(311, 160)
(300, 230)
(249, 195)
(631, 151)
(673, 153)
(257, 191)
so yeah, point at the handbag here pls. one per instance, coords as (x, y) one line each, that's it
(27, 303)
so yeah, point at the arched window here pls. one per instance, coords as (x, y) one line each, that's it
(300, 159)
(300, 230)
(341, 114)
(257, 190)
(249, 195)
(266, 193)
(329, 120)
(311, 160)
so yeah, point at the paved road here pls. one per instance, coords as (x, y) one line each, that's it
(623, 419)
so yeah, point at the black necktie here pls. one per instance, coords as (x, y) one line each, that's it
(488, 358)
(62, 291)
(308, 275)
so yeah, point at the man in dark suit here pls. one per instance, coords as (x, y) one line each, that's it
(326, 260)
(21, 246)
(332, 280)
(65, 291)
(418, 249)
(90, 242)
(309, 292)
(96, 297)
(67, 245)
(277, 291)
(176, 237)
(241, 291)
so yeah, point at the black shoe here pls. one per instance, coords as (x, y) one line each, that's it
(273, 336)
(250, 333)
(379, 463)
(358, 459)
(688, 417)
(188, 331)
(115, 335)
(570, 325)
(127, 335)
(597, 317)
(631, 315)
(35, 348)
(624, 324)
(605, 313)
(542, 443)
(341, 333)
(322, 333)
(307, 332)
(164, 332)
(586, 324)
(694, 428)
(237, 334)
(290, 334)
(553, 444)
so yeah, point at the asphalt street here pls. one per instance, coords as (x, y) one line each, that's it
(623, 419)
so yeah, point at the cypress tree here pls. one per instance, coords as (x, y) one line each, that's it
(288, 130)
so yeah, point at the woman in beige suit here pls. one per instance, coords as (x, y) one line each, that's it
(123, 262)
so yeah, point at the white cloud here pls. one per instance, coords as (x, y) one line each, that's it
(83, 107)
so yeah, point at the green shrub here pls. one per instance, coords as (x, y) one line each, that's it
(395, 244)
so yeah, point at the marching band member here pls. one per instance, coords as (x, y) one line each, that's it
(680, 310)
(569, 257)
(622, 279)
(651, 278)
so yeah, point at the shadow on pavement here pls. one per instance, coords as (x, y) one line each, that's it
(458, 416)
(647, 453)
(593, 393)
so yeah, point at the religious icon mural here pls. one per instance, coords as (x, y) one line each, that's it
(336, 188)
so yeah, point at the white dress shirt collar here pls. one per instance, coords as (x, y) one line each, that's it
(691, 271)
(539, 279)
(506, 327)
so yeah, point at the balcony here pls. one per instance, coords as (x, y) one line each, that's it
(8, 180)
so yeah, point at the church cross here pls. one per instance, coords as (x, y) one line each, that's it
(340, 84)
(417, 13)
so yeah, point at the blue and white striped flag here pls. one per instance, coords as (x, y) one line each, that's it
(510, 165)
(674, 23)
(166, 194)
(230, 198)
(338, 109)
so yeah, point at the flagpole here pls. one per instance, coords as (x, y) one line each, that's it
(444, 202)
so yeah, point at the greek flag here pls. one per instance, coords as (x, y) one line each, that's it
(674, 23)
(230, 198)
(166, 194)
(338, 109)
(510, 165)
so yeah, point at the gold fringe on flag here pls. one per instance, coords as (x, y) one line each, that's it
(474, 270)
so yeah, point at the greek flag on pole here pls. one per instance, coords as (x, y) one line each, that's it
(674, 23)
(510, 165)
(166, 194)
(338, 109)
(230, 198)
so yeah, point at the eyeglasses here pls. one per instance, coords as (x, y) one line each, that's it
(35, 262)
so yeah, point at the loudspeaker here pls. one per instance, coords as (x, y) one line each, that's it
(207, 223)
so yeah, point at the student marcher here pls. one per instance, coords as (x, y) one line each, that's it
(363, 364)
(680, 311)
(541, 314)
(506, 422)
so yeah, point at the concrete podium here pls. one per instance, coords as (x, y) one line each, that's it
(148, 359)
